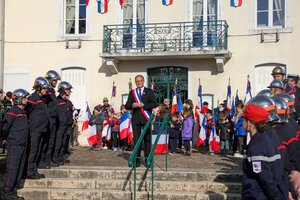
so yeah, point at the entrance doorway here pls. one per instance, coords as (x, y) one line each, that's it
(164, 80)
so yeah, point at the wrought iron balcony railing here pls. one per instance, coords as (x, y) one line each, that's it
(162, 37)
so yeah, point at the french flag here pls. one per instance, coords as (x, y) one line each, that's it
(198, 107)
(167, 2)
(106, 132)
(248, 91)
(121, 2)
(162, 145)
(87, 2)
(174, 100)
(102, 6)
(214, 140)
(236, 3)
(87, 118)
(125, 125)
(228, 98)
(92, 135)
(202, 133)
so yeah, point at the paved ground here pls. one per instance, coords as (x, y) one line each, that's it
(83, 157)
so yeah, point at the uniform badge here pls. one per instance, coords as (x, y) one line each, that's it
(256, 167)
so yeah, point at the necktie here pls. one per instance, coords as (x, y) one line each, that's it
(140, 92)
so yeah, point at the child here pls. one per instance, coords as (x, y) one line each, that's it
(97, 119)
(224, 130)
(187, 130)
(174, 131)
(209, 126)
(15, 132)
(240, 135)
(115, 130)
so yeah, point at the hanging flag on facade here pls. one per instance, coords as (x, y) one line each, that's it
(121, 3)
(167, 2)
(228, 97)
(248, 91)
(102, 6)
(236, 3)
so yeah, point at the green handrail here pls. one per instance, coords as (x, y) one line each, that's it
(138, 144)
(150, 159)
(151, 154)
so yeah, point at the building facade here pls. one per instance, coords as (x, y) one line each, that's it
(95, 46)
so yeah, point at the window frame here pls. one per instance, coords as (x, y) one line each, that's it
(270, 16)
(77, 19)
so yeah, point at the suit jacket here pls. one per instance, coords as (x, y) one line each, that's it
(149, 102)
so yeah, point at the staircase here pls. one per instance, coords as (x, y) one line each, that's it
(116, 183)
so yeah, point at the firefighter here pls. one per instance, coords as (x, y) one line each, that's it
(263, 176)
(48, 144)
(15, 132)
(65, 109)
(38, 123)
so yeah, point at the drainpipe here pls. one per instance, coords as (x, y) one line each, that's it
(2, 43)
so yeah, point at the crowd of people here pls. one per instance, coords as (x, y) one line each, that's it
(36, 130)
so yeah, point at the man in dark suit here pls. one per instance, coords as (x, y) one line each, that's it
(141, 101)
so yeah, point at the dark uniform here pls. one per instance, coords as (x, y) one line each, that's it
(15, 132)
(64, 116)
(263, 170)
(297, 104)
(49, 140)
(38, 123)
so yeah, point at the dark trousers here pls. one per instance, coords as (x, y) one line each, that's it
(242, 142)
(137, 130)
(49, 142)
(115, 139)
(187, 145)
(36, 139)
(15, 162)
(60, 134)
(173, 144)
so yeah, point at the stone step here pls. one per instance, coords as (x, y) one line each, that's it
(177, 186)
(127, 174)
(96, 194)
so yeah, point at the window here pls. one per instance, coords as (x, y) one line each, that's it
(270, 13)
(75, 17)
(205, 16)
(134, 21)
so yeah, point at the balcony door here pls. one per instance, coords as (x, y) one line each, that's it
(134, 24)
(164, 80)
(205, 16)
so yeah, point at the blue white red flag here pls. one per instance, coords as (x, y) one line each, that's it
(121, 2)
(87, 2)
(228, 97)
(162, 145)
(214, 140)
(106, 132)
(92, 135)
(113, 95)
(202, 132)
(179, 105)
(102, 6)
(174, 99)
(248, 92)
(167, 2)
(200, 96)
(87, 118)
(236, 3)
(125, 127)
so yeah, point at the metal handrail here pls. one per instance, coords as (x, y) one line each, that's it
(138, 144)
(150, 158)
(151, 154)
(161, 37)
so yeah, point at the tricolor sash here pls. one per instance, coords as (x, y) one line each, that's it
(138, 99)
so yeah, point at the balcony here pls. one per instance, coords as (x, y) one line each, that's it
(166, 40)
